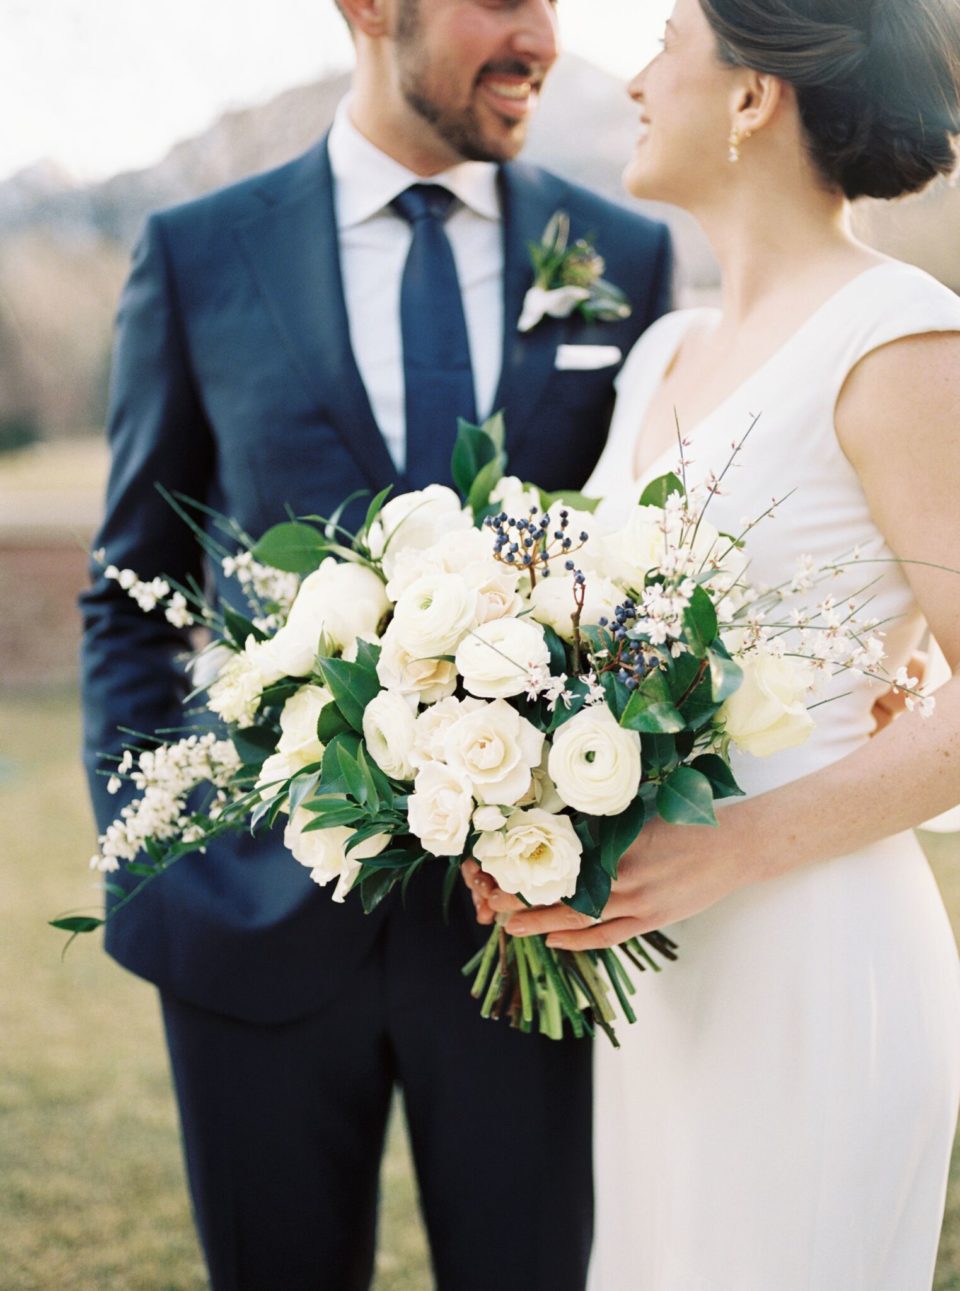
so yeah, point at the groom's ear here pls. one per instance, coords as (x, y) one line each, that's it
(366, 16)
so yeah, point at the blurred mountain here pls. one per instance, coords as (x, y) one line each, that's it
(64, 247)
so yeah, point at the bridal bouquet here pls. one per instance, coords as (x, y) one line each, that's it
(491, 675)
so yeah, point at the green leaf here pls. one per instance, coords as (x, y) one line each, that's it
(254, 744)
(353, 776)
(658, 490)
(568, 497)
(331, 777)
(368, 655)
(331, 722)
(352, 685)
(686, 798)
(650, 708)
(496, 428)
(699, 623)
(593, 887)
(450, 881)
(618, 697)
(558, 651)
(375, 507)
(301, 787)
(721, 778)
(473, 450)
(483, 485)
(336, 815)
(659, 755)
(375, 886)
(370, 785)
(725, 675)
(618, 832)
(77, 923)
(239, 628)
(294, 547)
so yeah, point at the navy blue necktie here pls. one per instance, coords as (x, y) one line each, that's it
(437, 374)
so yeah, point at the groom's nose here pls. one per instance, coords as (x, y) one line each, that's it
(536, 37)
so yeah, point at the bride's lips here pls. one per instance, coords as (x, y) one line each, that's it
(643, 130)
(509, 94)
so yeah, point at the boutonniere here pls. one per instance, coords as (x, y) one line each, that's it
(567, 279)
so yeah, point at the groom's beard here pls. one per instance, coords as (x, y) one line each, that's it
(461, 129)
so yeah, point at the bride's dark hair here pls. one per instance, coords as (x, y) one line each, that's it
(877, 82)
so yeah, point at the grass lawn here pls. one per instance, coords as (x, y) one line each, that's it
(93, 1193)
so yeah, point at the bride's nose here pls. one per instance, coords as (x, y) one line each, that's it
(635, 87)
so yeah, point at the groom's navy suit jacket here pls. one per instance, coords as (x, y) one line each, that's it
(234, 384)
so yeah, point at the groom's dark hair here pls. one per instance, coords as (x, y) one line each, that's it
(877, 82)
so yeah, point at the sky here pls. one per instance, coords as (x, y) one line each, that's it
(100, 86)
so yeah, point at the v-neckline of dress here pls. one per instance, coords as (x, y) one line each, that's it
(758, 372)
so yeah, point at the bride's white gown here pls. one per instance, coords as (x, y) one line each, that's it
(780, 1117)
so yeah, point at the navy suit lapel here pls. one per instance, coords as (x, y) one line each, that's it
(529, 198)
(293, 252)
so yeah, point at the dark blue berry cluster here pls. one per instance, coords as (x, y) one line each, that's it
(629, 656)
(530, 542)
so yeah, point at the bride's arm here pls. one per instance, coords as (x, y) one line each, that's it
(899, 423)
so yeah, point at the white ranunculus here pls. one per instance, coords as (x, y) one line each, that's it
(434, 614)
(495, 660)
(552, 602)
(236, 693)
(439, 809)
(515, 497)
(432, 725)
(415, 521)
(768, 711)
(637, 546)
(429, 680)
(536, 855)
(455, 551)
(298, 724)
(298, 745)
(388, 729)
(323, 851)
(340, 601)
(495, 750)
(595, 763)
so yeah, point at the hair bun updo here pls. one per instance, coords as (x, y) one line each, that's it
(877, 82)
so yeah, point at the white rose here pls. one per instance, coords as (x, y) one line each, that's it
(415, 521)
(496, 659)
(495, 750)
(536, 855)
(487, 818)
(277, 768)
(236, 693)
(595, 763)
(388, 729)
(552, 602)
(496, 588)
(434, 613)
(768, 711)
(439, 810)
(432, 725)
(429, 680)
(638, 546)
(587, 553)
(339, 601)
(324, 852)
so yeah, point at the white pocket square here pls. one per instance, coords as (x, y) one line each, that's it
(586, 358)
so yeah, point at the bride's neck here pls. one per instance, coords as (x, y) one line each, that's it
(766, 236)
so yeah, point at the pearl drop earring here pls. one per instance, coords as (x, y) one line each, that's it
(734, 141)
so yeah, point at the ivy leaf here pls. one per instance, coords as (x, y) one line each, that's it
(618, 832)
(699, 623)
(658, 490)
(686, 798)
(294, 547)
(721, 778)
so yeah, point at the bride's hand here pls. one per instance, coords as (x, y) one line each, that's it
(670, 873)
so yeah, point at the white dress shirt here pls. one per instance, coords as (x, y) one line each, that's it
(374, 242)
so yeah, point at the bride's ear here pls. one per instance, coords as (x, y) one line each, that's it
(757, 100)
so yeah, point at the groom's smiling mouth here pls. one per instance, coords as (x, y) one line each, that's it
(513, 92)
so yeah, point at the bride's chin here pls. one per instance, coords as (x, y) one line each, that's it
(637, 180)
